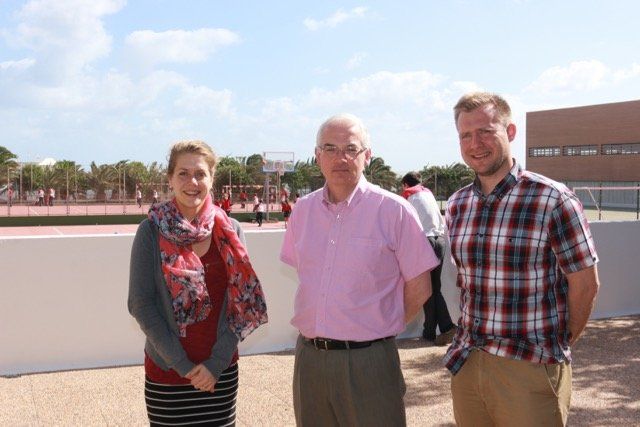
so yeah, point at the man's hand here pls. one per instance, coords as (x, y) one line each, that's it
(416, 292)
(583, 287)
(201, 378)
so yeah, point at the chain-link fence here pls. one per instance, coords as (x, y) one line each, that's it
(68, 188)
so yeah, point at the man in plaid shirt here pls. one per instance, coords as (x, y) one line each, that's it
(527, 276)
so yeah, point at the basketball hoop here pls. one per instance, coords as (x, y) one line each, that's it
(279, 167)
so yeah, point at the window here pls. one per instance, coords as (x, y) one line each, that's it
(544, 152)
(621, 148)
(580, 150)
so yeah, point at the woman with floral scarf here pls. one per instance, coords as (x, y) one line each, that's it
(195, 295)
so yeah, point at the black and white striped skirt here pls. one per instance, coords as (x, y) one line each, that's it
(183, 404)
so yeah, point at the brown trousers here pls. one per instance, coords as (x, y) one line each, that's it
(359, 387)
(498, 391)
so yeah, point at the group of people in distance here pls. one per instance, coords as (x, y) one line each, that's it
(367, 262)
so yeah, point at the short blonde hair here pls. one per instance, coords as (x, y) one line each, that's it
(193, 147)
(470, 101)
(345, 118)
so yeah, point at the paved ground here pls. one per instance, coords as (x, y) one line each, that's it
(606, 389)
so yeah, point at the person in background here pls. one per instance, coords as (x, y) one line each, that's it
(155, 196)
(40, 197)
(243, 198)
(527, 276)
(52, 196)
(284, 194)
(226, 203)
(435, 309)
(10, 195)
(259, 208)
(286, 211)
(194, 293)
(363, 269)
(139, 197)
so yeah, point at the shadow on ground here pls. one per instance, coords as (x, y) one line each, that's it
(606, 372)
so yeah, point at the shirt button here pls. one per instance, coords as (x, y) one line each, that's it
(338, 216)
(333, 242)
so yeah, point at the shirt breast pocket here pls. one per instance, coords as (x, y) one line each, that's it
(368, 258)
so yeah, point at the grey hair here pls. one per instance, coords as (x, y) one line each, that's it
(346, 118)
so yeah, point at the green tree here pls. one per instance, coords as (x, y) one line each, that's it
(8, 162)
(445, 180)
(305, 178)
(230, 170)
(379, 173)
(102, 178)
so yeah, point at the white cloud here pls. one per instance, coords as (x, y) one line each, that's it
(356, 60)
(578, 76)
(384, 87)
(202, 100)
(19, 65)
(338, 17)
(628, 73)
(178, 46)
(65, 35)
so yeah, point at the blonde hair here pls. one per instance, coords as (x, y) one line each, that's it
(470, 101)
(193, 147)
(345, 118)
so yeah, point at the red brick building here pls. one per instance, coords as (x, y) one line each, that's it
(595, 145)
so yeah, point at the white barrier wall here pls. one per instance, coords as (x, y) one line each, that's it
(64, 298)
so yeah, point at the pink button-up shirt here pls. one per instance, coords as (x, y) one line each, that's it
(353, 259)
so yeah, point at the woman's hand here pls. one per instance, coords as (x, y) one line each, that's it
(201, 378)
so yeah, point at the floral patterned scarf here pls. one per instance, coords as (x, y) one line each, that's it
(185, 276)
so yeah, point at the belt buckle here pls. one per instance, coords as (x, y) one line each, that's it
(323, 341)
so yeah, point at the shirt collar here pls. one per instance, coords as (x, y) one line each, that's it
(361, 187)
(504, 186)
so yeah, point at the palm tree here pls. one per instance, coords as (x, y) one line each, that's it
(101, 178)
(445, 180)
(67, 178)
(379, 173)
(7, 162)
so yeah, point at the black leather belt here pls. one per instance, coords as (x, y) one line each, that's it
(329, 344)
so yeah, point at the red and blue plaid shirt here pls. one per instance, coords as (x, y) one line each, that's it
(513, 249)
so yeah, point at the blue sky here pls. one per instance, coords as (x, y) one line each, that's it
(107, 80)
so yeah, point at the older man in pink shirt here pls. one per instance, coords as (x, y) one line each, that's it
(363, 264)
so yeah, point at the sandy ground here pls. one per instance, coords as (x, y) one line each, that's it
(606, 389)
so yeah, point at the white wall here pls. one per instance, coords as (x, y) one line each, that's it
(64, 298)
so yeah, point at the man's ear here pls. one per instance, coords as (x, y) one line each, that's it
(511, 131)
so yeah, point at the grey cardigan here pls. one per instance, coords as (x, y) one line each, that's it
(150, 303)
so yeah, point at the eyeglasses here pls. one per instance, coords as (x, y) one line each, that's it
(350, 152)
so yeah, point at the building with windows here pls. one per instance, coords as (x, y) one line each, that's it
(590, 146)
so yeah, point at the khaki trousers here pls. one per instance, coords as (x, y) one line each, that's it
(358, 387)
(497, 391)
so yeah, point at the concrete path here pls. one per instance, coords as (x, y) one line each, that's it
(606, 389)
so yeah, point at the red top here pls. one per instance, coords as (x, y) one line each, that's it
(201, 335)
(286, 207)
(226, 204)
